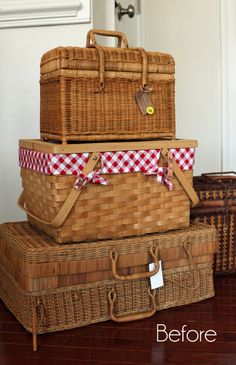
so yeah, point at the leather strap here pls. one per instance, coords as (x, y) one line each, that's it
(69, 202)
(143, 53)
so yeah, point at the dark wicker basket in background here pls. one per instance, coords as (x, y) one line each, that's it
(217, 206)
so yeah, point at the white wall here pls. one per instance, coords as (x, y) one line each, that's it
(190, 31)
(21, 50)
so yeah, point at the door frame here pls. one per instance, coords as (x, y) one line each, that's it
(227, 12)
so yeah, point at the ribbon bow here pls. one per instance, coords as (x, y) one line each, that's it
(163, 174)
(164, 178)
(92, 177)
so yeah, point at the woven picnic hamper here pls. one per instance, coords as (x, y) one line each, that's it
(121, 298)
(104, 93)
(37, 262)
(217, 206)
(79, 192)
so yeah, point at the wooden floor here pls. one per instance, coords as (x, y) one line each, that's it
(132, 343)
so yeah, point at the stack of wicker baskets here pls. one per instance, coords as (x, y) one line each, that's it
(101, 212)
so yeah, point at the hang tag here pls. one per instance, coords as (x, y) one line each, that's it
(144, 102)
(157, 279)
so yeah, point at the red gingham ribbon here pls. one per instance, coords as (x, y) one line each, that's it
(114, 162)
(92, 177)
(161, 175)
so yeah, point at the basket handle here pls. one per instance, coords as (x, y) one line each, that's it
(144, 87)
(206, 174)
(187, 248)
(107, 33)
(69, 202)
(224, 175)
(100, 49)
(154, 254)
(132, 317)
(182, 179)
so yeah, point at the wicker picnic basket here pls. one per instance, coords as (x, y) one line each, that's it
(122, 298)
(217, 206)
(36, 262)
(79, 192)
(104, 93)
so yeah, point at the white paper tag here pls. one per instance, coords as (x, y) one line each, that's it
(157, 279)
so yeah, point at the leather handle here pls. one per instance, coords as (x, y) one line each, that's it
(154, 255)
(132, 317)
(69, 202)
(107, 33)
(182, 179)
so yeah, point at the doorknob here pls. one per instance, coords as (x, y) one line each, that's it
(130, 11)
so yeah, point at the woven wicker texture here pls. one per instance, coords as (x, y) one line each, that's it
(74, 106)
(36, 262)
(217, 194)
(132, 204)
(59, 309)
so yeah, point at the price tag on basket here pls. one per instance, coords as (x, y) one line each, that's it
(157, 279)
(144, 102)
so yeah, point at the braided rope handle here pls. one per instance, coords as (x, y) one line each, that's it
(154, 255)
(132, 317)
(187, 248)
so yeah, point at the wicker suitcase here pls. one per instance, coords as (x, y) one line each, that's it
(102, 93)
(37, 263)
(122, 299)
(217, 206)
(80, 305)
(79, 192)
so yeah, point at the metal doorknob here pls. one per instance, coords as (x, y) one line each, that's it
(130, 11)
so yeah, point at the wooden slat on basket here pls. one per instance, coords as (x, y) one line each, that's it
(131, 204)
(50, 147)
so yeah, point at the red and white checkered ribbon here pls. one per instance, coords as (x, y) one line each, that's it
(92, 177)
(117, 162)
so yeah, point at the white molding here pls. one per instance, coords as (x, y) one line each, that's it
(28, 13)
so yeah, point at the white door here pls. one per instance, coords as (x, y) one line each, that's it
(130, 26)
(105, 16)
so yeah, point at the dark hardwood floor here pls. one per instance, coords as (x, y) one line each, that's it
(132, 343)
